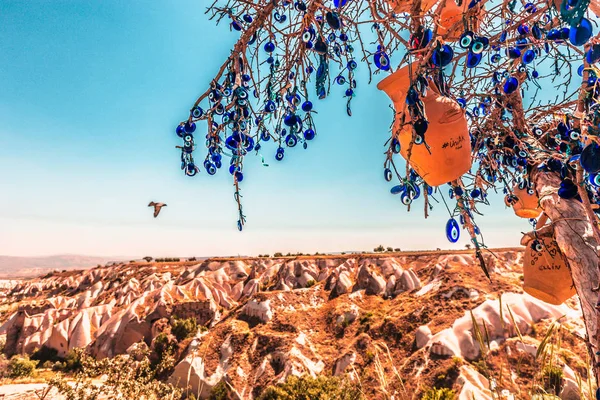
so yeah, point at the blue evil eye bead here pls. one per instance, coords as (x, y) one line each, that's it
(398, 188)
(247, 18)
(553, 34)
(211, 168)
(387, 174)
(309, 134)
(320, 46)
(352, 65)
(414, 192)
(420, 126)
(537, 131)
(218, 164)
(593, 54)
(188, 137)
(580, 70)
(300, 6)
(307, 106)
(405, 198)
(462, 102)
(502, 38)
(265, 136)
(331, 37)
(239, 225)
(564, 33)
(458, 191)
(189, 127)
(496, 58)
(340, 80)
(537, 246)
(590, 158)
(513, 52)
(395, 145)
(479, 44)
(567, 189)
(239, 176)
(197, 112)
(308, 36)
(510, 85)
(535, 74)
(236, 26)
(523, 29)
(339, 3)
(466, 40)
(333, 20)
(475, 193)
(269, 47)
(442, 56)
(270, 106)
(452, 230)
(536, 31)
(473, 59)
(530, 8)
(594, 180)
(279, 154)
(179, 130)
(382, 61)
(291, 140)
(574, 135)
(528, 56)
(579, 35)
(191, 170)
(343, 37)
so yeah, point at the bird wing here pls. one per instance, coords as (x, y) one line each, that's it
(156, 211)
(151, 204)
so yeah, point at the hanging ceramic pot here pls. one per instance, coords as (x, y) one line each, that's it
(446, 152)
(546, 275)
(451, 17)
(526, 203)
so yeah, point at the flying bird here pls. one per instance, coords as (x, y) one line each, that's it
(157, 207)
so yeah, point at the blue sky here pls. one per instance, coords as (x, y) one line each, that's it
(90, 94)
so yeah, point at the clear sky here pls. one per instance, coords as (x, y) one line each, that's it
(90, 94)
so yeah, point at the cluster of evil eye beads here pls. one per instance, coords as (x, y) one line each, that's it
(242, 117)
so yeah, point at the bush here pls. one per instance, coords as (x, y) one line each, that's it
(439, 394)
(72, 362)
(20, 367)
(306, 387)
(390, 249)
(164, 345)
(219, 392)
(397, 249)
(184, 328)
(278, 254)
(311, 283)
(147, 258)
(379, 249)
(44, 354)
(127, 377)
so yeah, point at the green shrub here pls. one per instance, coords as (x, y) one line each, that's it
(278, 254)
(306, 387)
(127, 377)
(184, 328)
(73, 360)
(44, 354)
(439, 394)
(19, 367)
(220, 392)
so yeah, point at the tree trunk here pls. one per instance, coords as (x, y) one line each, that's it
(574, 234)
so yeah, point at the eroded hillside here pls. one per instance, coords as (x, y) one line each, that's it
(395, 325)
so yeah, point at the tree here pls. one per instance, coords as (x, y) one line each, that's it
(509, 97)
(379, 249)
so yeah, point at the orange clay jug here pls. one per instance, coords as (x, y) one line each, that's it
(526, 205)
(546, 275)
(452, 18)
(449, 154)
